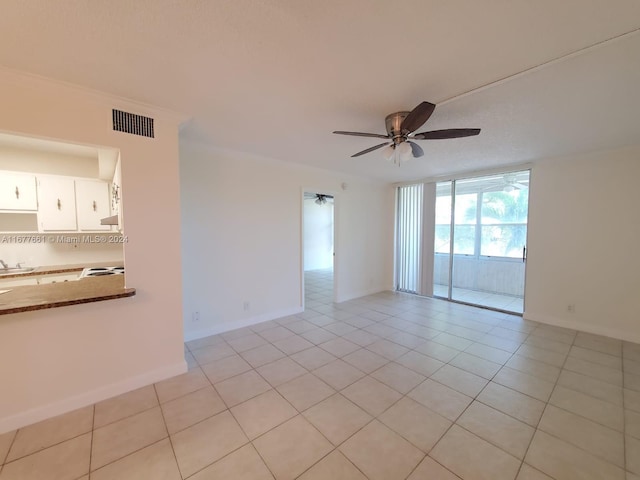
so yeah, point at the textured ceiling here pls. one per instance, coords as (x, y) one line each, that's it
(275, 77)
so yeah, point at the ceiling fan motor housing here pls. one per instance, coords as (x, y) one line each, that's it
(393, 123)
(401, 130)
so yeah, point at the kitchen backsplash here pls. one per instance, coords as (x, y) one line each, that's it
(69, 251)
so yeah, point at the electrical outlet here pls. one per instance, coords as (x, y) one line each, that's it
(571, 308)
(195, 316)
(246, 306)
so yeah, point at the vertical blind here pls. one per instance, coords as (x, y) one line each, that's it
(409, 238)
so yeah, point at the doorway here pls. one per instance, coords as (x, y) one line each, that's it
(318, 248)
(480, 240)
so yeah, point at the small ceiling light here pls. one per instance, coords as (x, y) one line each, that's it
(399, 153)
(508, 188)
(404, 151)
(388, 153)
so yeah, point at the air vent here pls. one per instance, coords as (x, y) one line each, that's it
(132, 123)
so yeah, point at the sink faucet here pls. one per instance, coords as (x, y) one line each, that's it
(4, 265)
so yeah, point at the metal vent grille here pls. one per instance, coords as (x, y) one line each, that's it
(132, 123)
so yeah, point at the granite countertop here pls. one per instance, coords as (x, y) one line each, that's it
(38, 297)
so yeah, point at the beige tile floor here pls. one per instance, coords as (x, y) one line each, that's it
(391, 386)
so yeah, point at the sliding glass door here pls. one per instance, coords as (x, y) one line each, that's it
(442, 242)
(480, 240)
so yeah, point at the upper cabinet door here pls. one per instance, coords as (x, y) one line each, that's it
(92, 203)
(18, 192)
(57, 203)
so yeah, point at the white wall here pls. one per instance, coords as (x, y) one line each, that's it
(55, 360)
(51, 163)
(241, 237)
(318, 235)
(584, 232)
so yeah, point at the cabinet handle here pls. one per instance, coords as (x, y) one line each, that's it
(17, 193)
(95, 207)
(59, 205)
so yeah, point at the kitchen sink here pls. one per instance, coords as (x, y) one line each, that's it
(14, 270)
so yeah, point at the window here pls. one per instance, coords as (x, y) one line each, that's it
(490, 216)
(503, 223)
(443, 218)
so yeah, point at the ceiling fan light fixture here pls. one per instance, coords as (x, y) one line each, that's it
(404, 151)
(388, 153)
(508, 188)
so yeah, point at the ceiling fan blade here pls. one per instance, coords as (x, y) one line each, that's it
(448, 133)
(416, 149)
(360, 134)
(417, 117)
(371, 149)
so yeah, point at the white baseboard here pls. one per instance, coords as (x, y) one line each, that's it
(246, 322)
(43, 412)
(363, 293)
(583, 327)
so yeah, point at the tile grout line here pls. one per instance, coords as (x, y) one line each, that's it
(336, 392)
(573, 413)
(512, 353)
(300, 413)
(617, 431)
(93, 428)
(138, 449)
(454, 422)
(47, 447)
(228, 408)
(474, 399)
(164, 420)
(624, 413)
(124, 456)
(545, 409)
(404, 395)
(6, 456)
(395, 315)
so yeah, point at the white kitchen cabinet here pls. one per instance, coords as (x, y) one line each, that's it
(92, 204)
(56, 204)
(18, 192)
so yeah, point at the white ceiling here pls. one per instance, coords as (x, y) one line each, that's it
(275, 77)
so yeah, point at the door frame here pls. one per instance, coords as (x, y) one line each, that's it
(336, 250)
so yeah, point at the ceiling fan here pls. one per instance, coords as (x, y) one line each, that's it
(507, 183)
(400, 134)
(319, 198)
(511, 183)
